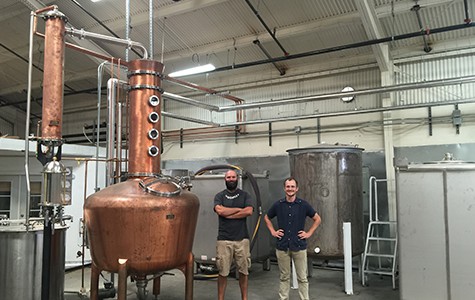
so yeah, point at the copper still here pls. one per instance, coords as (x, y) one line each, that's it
(145, 225)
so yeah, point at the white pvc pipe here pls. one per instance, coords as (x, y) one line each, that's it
(348, 258)
(295, 284)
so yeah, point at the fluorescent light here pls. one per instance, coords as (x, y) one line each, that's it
(95, 0)
(191, 71)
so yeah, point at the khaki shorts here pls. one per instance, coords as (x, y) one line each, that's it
(227, 251)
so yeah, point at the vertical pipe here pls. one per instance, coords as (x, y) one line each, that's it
(53, 79)
(150, 21)
(99, 94)
(295, 284)
(118, 170)
(127, 27)
(145, 117)
(45, 270)
(467, 14)
(83, 224)
(27, 121)
(348, 259)
(111, 110)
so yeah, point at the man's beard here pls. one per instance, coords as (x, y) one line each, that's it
(231, 185)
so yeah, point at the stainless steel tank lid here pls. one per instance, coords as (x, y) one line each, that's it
(325, 148)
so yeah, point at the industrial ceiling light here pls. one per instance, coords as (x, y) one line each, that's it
(192, 71)
(95, 0)
(347, 98)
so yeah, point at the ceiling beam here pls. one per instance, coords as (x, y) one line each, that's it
(374, 30)
(302, 29)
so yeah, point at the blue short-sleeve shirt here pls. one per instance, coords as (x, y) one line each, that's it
(291, 218)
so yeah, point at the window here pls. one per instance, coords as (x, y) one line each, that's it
(35, 199)
(5, 198)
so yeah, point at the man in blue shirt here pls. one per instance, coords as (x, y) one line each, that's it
(233, 206)
(291, 213)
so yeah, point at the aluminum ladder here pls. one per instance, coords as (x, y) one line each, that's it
(380, 254)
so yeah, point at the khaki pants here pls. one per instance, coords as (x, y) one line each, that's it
(300, 260)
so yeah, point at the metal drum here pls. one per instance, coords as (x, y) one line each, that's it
(330, 179)
(21, 255)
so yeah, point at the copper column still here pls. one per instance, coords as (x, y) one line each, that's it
(145, 225)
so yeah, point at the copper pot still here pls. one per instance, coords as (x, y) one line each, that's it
(150, 219)
(150, 222)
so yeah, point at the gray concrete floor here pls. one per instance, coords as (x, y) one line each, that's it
(324, 284)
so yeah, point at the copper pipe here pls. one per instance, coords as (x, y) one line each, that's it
(203, 89)
(47, 8)
(144, 151)
(94, 295)
(239, 114)
(53, 79)
(112, 60)
(122, 285)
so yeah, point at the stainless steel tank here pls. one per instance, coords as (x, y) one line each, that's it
(21, 254)
(330, 179)
(436, 228)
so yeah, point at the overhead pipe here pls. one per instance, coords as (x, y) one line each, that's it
(102, 24)
(78, 48)
(351, 112)
(194, 120)
(236, 100)
(258, 43)
(416, 8)
(267, 27)
(346, 47)
(379, 90)
(190, 101)
(81, 33)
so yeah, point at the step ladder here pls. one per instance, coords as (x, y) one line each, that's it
(380, 254)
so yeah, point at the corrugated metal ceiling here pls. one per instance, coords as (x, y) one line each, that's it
(220, 31)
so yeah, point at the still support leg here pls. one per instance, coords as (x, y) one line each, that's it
(156, 286)
(122, 285)
(189, 278)
(95, 272)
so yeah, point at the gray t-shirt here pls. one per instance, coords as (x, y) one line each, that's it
(232, 229)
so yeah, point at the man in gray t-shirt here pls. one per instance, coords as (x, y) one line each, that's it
(233, 206)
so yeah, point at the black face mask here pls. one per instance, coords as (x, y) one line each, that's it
(231, 185)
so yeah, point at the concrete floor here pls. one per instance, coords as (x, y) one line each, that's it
(263, 285)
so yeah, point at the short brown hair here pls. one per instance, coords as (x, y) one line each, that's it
(291, 178)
